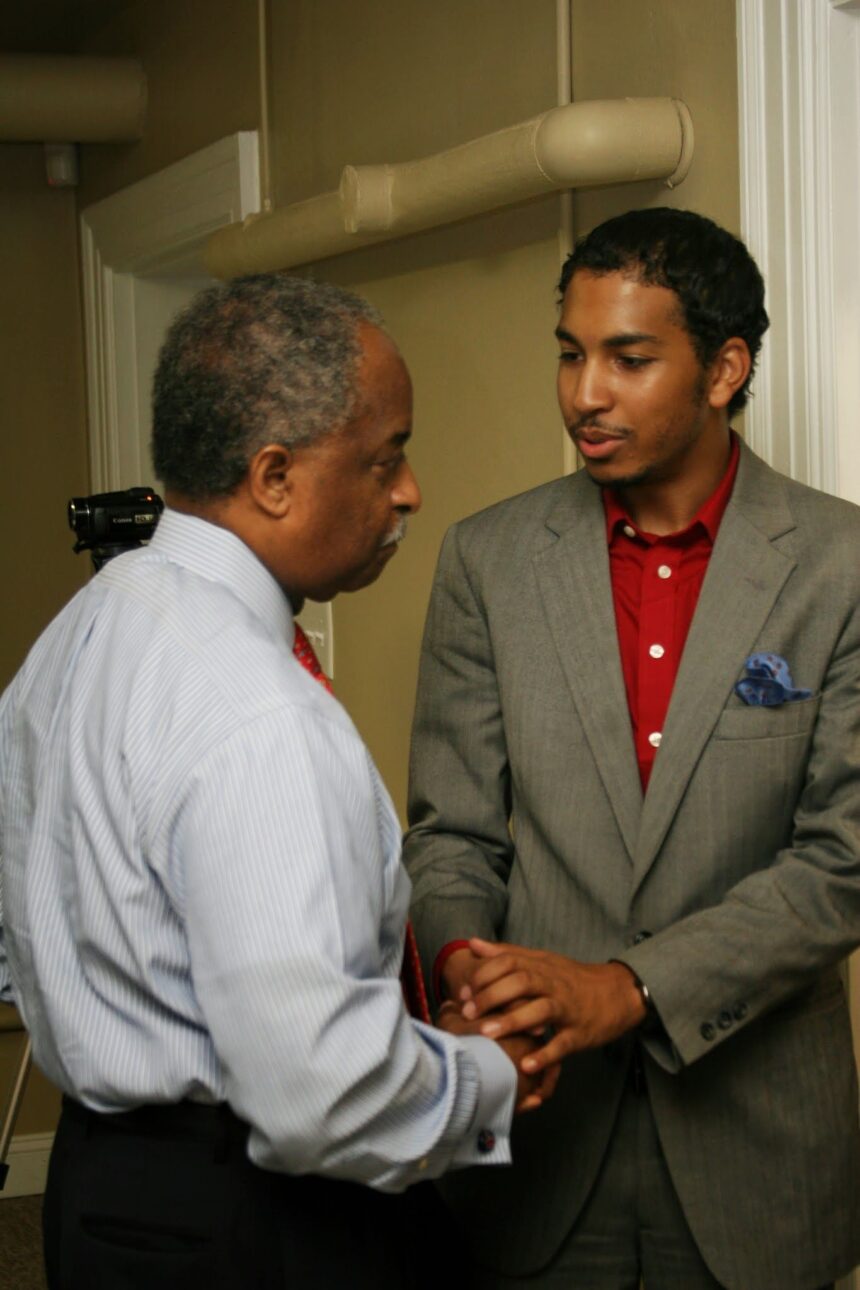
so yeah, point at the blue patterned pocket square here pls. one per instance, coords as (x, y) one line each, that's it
(768, 682)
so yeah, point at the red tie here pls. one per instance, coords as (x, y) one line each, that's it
(411, 978)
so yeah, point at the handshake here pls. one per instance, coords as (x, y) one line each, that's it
(538, 1006)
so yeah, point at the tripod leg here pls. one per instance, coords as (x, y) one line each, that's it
(14, 1107)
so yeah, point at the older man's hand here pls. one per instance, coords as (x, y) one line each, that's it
(523, 991)
(533, 1087)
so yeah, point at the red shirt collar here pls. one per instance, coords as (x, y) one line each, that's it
(708, 516)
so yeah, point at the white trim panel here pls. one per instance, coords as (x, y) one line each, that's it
(800, 131)
(157, 227)
(28, 1158)
(783, 76)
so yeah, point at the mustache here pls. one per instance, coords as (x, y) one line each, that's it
(398, 532)
(589, 422)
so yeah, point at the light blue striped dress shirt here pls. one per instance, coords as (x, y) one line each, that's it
(202, 892)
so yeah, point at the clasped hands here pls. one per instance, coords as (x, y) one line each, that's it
(539, 1006)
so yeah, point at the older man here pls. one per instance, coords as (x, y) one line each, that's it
(203, 900)
(637, 755)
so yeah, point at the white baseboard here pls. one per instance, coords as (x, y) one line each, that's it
(28, 1165)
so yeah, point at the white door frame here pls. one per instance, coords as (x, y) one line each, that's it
(156, 227)
(800, 215)
(799, 91)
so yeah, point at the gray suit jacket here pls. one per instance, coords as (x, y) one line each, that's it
(741, 865)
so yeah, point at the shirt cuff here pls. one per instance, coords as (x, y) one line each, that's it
(487, 1141)
(441, 959)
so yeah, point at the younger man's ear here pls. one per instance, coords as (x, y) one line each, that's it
(729, 370)
(269, 479)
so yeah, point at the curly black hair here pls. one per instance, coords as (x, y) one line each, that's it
(718, 284)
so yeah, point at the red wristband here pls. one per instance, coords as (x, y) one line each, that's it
(441, 959)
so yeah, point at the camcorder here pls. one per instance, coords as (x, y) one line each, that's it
(106, 524)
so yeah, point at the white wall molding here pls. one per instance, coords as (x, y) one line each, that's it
(780, 74)
(28, 1165)
(753, 149)
(799, 88)
(797, 73)
(154, 228)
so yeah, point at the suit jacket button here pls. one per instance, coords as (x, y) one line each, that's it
(707, 1030)
(486, 1141)
(640, 937)
(725, 1019)
(739, 1011)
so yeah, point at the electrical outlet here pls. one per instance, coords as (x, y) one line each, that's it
(316, 621)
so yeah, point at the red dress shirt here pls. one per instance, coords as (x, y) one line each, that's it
(656, 582)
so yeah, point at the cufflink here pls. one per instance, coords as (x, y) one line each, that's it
(486, 1141)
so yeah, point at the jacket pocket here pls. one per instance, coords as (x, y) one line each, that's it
(745, 721)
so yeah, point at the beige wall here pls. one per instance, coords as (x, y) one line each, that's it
(388, 80)
(476, 331)
(472, 306)
(200, 59)
(685, 48)
(43, 454)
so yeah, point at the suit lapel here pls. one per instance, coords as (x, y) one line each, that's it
(573, 577)
(745, 576)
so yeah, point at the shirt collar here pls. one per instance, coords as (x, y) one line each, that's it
(220, 556)
(708, 517)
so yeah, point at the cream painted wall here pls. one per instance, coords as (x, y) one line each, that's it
(685, 48)
(200, 59)
(476, 331)
(472, 306)
(43, 453)
(389, 80)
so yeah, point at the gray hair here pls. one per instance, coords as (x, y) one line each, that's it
(262, 359)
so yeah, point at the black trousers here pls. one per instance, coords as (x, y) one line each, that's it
(165, 1198)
